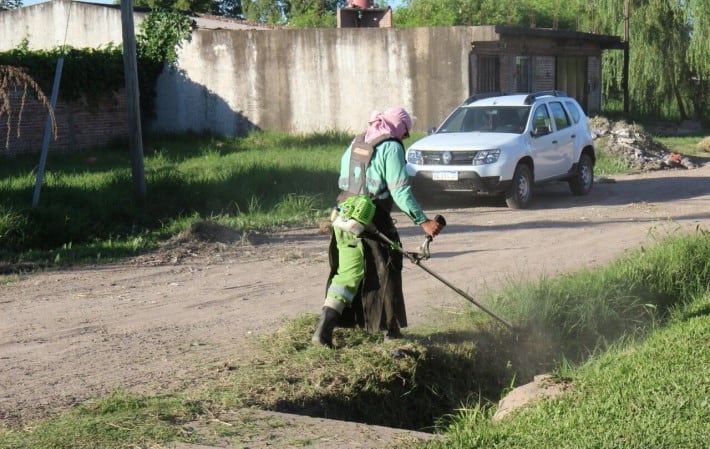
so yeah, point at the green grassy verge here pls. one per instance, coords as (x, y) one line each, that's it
(651, 393)
(688, 145)
(87, 210)
(631, 335)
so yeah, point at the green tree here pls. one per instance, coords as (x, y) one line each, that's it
(313, 13)
(699, 55)
(265, 11)
(10, 4)
(226, 8)
(669, 50)
(527, 13)
(417, 13)
(230, 8)
(162, 34)
(299, 13)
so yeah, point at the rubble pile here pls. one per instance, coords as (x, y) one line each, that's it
(633, 143)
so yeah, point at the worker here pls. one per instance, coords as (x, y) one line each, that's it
(365, 280)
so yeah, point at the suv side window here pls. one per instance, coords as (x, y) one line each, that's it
(573, 109)
(541, 118)
(558, 112)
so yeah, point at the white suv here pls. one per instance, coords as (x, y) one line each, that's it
(503, 144)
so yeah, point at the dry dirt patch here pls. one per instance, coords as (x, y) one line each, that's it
(174, 319)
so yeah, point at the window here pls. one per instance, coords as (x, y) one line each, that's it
(573, 109)
(541, 118)
(488, 74)
(559, 114)
(523, 74)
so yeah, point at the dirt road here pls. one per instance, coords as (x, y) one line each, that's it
(168, 319)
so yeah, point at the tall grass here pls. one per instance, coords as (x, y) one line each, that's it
(579, 313)
(688, 145)
(609, 164)
(651, 393)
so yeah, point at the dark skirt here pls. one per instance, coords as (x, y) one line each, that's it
(379, 304)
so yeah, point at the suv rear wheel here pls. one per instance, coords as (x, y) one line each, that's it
(583, 180)
(519, 195)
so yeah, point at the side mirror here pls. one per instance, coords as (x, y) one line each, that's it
(540, 131)
(431, 131)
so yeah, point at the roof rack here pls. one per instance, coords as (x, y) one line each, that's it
(482, 95)
(554, 93)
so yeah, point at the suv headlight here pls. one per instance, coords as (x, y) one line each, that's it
(415, 157)
(486, 157)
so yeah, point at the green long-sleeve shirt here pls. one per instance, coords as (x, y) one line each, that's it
(387, 175)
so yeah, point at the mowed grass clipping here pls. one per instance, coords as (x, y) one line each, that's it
(643, 383)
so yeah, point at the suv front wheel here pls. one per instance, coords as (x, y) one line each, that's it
(519, 195)
(581, 183)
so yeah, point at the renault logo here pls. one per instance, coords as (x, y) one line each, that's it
(446, 157)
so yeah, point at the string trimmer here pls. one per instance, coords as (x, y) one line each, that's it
(423, 254)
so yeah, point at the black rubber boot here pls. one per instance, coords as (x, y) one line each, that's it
(324, 332)
(393, 333)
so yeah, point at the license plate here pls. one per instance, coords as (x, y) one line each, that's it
(445, 176)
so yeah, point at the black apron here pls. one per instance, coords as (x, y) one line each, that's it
(379, 303)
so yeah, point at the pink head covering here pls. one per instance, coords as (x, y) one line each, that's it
(394, 121)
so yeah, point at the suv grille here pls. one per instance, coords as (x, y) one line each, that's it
(457, 157)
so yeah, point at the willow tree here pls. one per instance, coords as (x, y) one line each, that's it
(558, 14)
(669, 50)
(699, 54)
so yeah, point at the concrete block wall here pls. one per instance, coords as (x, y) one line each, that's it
(544, 67)
(56, 22)
(311, 80)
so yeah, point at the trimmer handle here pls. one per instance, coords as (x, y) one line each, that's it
(439, 219)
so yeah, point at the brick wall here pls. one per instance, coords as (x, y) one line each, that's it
(364, 18)
(507, 65)
(543, 75)
(80, 124)
(544, 67)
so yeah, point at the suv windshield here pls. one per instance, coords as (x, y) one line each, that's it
(495, 119)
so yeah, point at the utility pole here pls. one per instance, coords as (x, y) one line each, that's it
(625, 73)
(130, 69)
